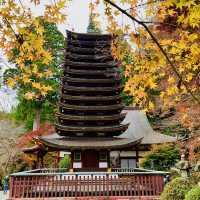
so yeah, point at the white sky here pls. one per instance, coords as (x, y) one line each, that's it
(78, 14)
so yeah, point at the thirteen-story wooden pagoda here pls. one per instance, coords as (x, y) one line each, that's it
(90, 103)
(90, 106)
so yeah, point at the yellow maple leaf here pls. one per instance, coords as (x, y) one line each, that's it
(40, 30)
(29, 95)
(36, 2)
(162, 94)
(10, 82)
(61, 4)
(47, 58)
(189, 77)
(171, 80)
(26, 79)
(48, 73)
(45, 61)
(152, 84)
(47, 88)
(43, 93)
(151, 105)
(34, 68)
(40, 75)
(172, 90)
(36, 85)
(193, 37)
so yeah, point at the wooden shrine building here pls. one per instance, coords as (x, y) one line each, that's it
(91, 122)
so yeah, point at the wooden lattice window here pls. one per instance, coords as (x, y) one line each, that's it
(103, 156)
(77, 156)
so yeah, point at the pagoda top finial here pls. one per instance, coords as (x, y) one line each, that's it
(92, 27)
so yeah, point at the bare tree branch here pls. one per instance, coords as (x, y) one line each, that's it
(161, 23)
(144, 4)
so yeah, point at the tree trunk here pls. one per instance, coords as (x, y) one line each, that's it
(36, 122)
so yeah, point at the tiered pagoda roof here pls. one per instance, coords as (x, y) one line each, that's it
(90, 103)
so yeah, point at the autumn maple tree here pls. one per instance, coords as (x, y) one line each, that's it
(26, 42)
(34, 111)
(165, 54)
(22, 40)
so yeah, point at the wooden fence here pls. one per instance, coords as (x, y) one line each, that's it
(41, 185)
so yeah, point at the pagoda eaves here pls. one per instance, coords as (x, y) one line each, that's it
(90, 102)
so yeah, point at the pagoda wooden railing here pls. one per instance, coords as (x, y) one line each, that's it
(55, 183)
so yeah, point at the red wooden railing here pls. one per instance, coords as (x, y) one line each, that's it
(41, 185)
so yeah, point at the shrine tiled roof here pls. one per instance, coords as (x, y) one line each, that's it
(139, 126)
(72, 143)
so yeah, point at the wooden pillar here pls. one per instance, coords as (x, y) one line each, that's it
(137, 156)
(108, 158)
(72, 159)
(42, 161)
(57, 159)
(37, 162)
(11, 186)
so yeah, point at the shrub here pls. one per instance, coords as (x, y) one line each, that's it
(174, 173)
(16, 164)
(176, 189)
(194, 178)
(161, 157)
(193, 194)
(65, 162)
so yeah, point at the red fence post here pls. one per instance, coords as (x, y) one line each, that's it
(11, 186)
